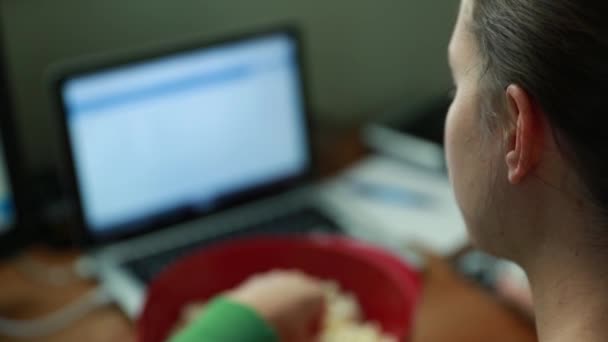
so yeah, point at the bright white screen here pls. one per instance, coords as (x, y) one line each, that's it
(183, 130)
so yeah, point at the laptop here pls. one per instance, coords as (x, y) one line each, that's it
(170, 152)
(13, 231)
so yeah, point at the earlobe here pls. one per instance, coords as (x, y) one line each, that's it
(512, 160)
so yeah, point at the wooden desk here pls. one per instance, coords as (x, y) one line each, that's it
(452, 309)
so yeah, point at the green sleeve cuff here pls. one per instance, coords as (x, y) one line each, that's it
(226, 321)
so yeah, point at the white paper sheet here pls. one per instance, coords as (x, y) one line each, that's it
(398, 204)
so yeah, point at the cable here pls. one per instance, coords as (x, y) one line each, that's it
(55, 275)
(57, 320)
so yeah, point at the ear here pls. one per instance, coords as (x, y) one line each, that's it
(525, 137)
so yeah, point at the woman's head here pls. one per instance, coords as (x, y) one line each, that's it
(525, 133)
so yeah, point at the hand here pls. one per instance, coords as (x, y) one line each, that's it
(290, 301)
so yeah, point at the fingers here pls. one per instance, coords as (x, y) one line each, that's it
(191, 312)
(289, 300)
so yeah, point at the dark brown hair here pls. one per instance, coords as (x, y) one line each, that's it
(557, 50)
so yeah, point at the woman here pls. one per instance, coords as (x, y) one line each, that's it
(526, 154)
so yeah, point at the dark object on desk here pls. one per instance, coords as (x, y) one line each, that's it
(412, 133)
(13, 232)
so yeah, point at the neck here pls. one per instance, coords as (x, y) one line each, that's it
(569, 283)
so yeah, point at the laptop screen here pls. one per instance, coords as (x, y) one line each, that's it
(7, 212)
(8, 215)
(183, 131)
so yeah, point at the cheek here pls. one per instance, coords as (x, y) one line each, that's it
(471, 155)
(455, 144)
(466, 167)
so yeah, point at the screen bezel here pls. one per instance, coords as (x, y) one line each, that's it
(84, 234)
(16, 237)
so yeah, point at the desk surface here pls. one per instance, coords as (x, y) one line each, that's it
(452, 309)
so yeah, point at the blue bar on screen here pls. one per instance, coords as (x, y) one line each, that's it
(174, 86)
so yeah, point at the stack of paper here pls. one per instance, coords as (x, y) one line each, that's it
(397, 204)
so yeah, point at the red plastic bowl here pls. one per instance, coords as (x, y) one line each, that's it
(386, 288)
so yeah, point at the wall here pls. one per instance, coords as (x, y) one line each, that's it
(363, 56)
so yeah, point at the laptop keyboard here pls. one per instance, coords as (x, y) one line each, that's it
(305, 220)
